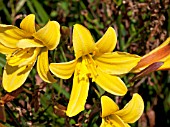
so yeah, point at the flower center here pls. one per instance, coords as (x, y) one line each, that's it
(86, 67)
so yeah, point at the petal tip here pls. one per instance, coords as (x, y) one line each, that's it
(70, 113)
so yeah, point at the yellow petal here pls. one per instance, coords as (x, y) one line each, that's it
(6, 50)
(127, 125)
(105, 124)
(114, 121)
(166, 64)
(31, 59)
(79, 94)
(10, 35)
(108, 106)
(29, 43)
(22, 57)
(166, 42)
(109, 83)
(83, 42)
(117, 62)
(28, 24)
(14, 77)
(108, 42)
(43, 66)
(132, 110)
(49, 35)
(63, 70)
(156, 55)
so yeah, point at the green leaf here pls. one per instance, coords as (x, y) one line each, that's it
(19, 5)
(41, 12)
(59, 89)
(5, 10)
(2, 60)
(118, 2)
(32, 10)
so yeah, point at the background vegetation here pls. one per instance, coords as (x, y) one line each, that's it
(141, 25)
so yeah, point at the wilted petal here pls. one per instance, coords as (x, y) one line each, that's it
(114, 121)
(63, 70)
(6, 50)
(43, 66)
(151, 68)
(83, 42)
(14, 77)
(28, 24)
(156, 55)
(29, 43)
(117, 62)
(79, 94)
(10, 35)
(108, 42)
(49, 35)
(108, 106)
(109, 83)
(132, 110)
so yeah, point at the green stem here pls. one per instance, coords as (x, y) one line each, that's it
(63, 54)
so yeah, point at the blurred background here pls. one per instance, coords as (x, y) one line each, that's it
(141, 26)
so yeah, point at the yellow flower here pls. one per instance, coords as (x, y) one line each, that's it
(23, 46)
(161, 54)
(113, 117)
(96, 61)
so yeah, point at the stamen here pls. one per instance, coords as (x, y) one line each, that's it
(15, 52)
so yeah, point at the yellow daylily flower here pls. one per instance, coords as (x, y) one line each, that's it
(96, 61)
(23, 46)
(113, 117)
(161, 54)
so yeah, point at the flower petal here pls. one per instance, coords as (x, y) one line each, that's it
(132, 110)
(105, 124)
(83, 42)
(14, 77)
(127, 125)
(109, 83)
(166, 64)
(29, 43)
(6, 50)
(49, 35)
(114, 121)
(108, 106)
(117, 63)
(43, 66)
(22, 57)
(63, 70)
(10, 35)
(156, 55)
(79, 94)
(108, 42)
(28, 24)
(151, 68)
